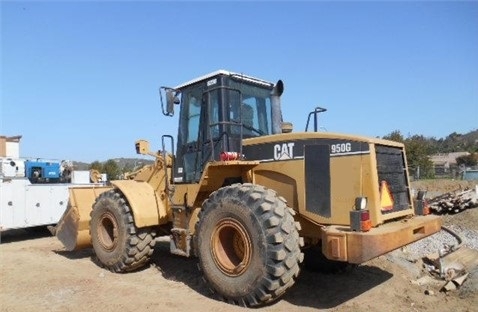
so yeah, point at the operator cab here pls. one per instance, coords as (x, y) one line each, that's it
(217, 111)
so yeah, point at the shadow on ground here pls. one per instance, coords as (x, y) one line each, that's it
(18, 235)
(325, 291)
(77, 254)
(312, 289)
(178, 268)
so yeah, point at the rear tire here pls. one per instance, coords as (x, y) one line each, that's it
(119, 245)
(248, 244)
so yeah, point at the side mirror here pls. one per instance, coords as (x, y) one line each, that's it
(171, 99)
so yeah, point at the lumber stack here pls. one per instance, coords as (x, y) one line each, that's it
(454, 202)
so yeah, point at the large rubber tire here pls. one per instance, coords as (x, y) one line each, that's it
(248, 244)
(119, 245)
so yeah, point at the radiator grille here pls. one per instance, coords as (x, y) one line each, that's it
(391, 168)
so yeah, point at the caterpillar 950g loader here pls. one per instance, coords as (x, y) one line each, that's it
(248, 196)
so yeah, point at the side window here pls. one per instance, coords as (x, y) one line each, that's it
(256, 114)
(267, 115)
(264, 115)
(249, 112)
(213, 114)
(234, 109)
(194, 113)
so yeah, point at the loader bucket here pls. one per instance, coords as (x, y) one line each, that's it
(73, 229)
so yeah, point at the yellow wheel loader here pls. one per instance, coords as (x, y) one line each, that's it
(248, 196)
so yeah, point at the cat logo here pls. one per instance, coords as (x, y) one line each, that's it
(284, 151)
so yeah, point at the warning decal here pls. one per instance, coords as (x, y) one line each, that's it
(386, 199)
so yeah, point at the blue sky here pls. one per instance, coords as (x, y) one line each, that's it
(79, 80)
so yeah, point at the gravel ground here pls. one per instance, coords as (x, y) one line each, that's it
(442, 240)
(465, 225)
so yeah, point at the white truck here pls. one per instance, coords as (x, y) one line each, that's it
(34, 192)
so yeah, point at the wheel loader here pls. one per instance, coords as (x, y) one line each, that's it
(247, 196)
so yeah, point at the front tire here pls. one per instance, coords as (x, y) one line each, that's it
(248, 244)
(119, 245)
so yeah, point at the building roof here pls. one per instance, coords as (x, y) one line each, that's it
(15, 138)
(449, 158)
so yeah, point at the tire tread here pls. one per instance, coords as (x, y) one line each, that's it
(139, 241)
(281, 238)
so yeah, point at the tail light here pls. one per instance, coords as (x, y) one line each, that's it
(360, 217)
(422, 207)
(426, 208)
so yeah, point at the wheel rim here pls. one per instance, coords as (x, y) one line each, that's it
(108, 231)
(231, 247)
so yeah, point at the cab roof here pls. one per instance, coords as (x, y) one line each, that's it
(227, 73)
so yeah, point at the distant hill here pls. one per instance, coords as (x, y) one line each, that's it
(457, 142)
(132, 162)
(78, 165)
(122, 163)
(454, 142)
(471, 137)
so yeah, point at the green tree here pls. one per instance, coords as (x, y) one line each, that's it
(395, 136)
(97, 166)
(418, 150)
(127, 168)
(454, 142)
(468, 160)
(112, 170)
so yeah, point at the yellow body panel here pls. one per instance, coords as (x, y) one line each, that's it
(350, 177)
(213, 178)
(147, 209)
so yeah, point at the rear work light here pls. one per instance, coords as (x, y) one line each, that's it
(422, 208)
(360, 217)
(225, 156)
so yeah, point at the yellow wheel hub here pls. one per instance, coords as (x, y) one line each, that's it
(231, 247)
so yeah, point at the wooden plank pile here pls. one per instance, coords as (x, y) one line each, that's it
(454, 202)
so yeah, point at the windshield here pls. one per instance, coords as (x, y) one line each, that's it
(255, 108)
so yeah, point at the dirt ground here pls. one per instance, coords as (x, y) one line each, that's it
(36, 274)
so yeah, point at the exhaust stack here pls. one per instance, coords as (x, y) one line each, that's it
(276, 109)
